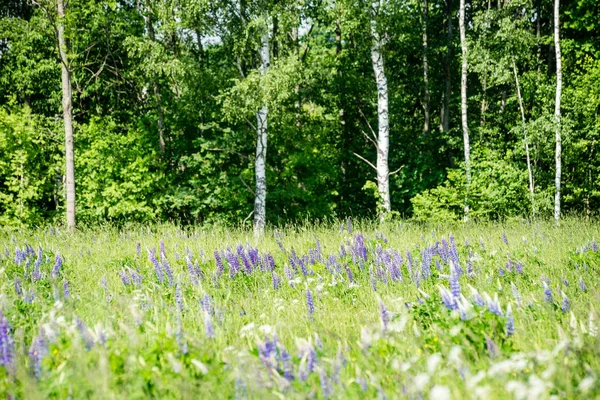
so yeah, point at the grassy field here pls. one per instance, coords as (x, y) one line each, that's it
(365, 311)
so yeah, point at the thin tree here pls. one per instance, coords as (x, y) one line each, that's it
(67, 104)
(557, 110)
(463, 103)
(383, 135)
(261, 145)
(529, 169)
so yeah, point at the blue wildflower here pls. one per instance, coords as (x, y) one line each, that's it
(310, 302)
(566, 304)
(37, 352)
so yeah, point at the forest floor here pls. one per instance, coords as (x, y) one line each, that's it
(329, 311)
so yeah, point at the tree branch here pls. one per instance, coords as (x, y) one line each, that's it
(365, 160)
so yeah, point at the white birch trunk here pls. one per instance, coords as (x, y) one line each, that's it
(383, 134)
(261, 147)
(67, 103)
(529, 170)
(463, 102)
(557, 110)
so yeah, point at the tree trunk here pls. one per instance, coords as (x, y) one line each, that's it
(445, 114)
(463, 103)
(557, 110)
(383, 177)
(67, 103)
(529, 170)
(426, 95)
(261, 147)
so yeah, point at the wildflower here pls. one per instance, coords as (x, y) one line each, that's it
(510, 322)
(310, 302)
(448, 299)
(66, 291)
(158, 269)
(325, 386)
(289, 275)
(349, 225)
(37, 352)
(547, 293)
(136, 278)
(166, 268)
(504, 238)
(288, 366)
(516, 294)
(85, 334)
(18, 287)
(125, 278)
(206, 303)
(233, 261)
(566, 304)
(349, 273)
(219, 263)
(565, 282)
(7, 344)
(245, 261)
(58, 262)
(138, 249)
(494, 306)
(582, 286)
(276, 280)
(179, 298)
(491, 347)
(384, 315)
(519, 267)
(454, 284)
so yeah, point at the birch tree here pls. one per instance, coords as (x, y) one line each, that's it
(463, 104)
(261, 145)
(383, 174)
(557, 110)
(426, 95)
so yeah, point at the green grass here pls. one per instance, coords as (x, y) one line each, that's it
(153, 349)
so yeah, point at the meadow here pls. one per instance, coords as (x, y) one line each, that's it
(341, 310)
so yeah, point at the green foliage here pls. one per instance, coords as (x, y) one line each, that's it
(30, 163)
(498, 189)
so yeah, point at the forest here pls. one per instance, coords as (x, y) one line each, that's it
(259, 112)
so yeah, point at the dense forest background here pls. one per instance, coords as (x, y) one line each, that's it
(166, 93)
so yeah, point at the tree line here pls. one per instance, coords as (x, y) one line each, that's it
(270, 110)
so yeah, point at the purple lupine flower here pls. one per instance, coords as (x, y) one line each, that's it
(158, 269)
(233, 261)
(29, 297)
(20, 256)
(85, 334)
(288, 366)
(136, 279)
(208, 326)
(278, 241)
(325, 386)
(510, 322)
(302, 263)
(491, 347)
(191, 271)
(138, 250)
(454, 285)
(426, 263)
(494, 306)
(219, 263)
(470, 270)
(166, 268)
(310, 303)
(372, 279)
(449, 300)
(349, 273)
(293, 259)
(504, 238)
(247, 265)
(179, 297)
(582, 286)
(481, 244)
(289, 275)
(566, 304)
(276, 280)
(384, 315)
(519, 267)
(124, 277)
(409, 262)
(501, 271)
(349, 225)
(18, 287)
(206, 303)
(477, 299)
(342, 251)
(162, 247)
(360, 248)
(547, 293)
(7, 344)
(565, 281)
(269, 262)
(58, 262)
(37, 352)
(311, 359)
